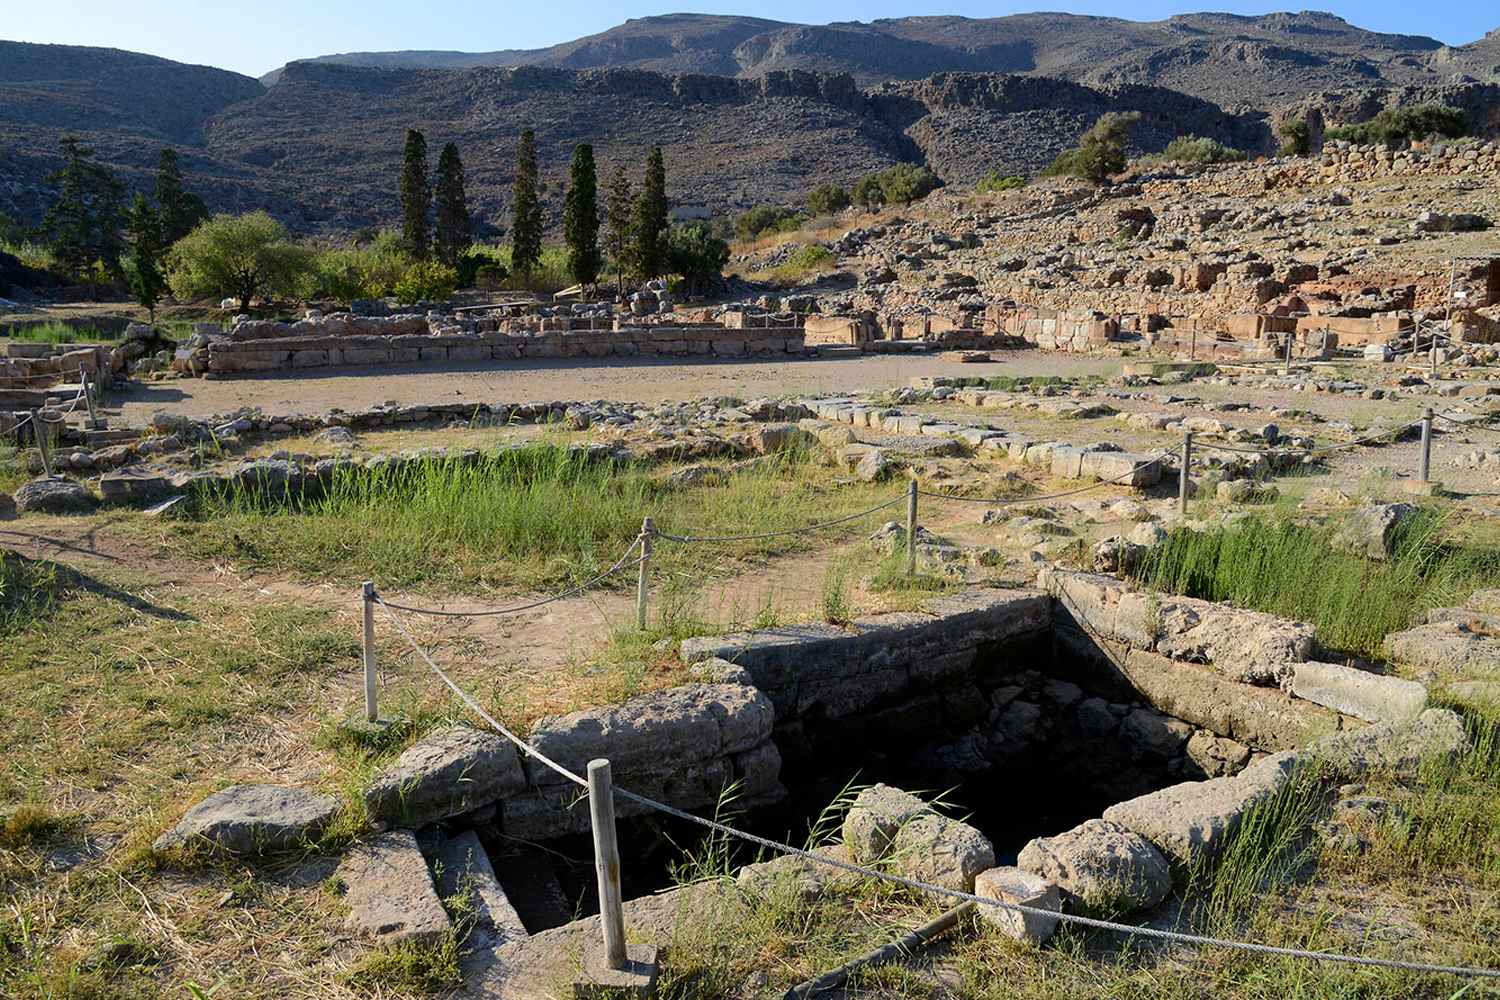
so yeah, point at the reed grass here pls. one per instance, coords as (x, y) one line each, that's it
(537, 516)
(1277, 564)
(54, 332)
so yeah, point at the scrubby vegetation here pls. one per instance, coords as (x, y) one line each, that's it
(1100, 152)
(993, 182)
(1191, 149)
(1394, 126)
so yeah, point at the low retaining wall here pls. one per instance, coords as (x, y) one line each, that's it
(344, 340)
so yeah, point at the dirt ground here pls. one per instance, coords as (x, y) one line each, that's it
(625, 380)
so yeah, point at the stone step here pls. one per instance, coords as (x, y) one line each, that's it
(462, 868)
(526, 876)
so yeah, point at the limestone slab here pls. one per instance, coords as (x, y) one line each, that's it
(1360, 693)
(449, 772)
(251, 819)
(389, 890)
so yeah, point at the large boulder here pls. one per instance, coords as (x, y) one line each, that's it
(453, 771)
(878, 812)
(54, 495)
(1101, 864)
(928, 846)
(251, 819)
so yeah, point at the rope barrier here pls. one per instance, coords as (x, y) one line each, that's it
(1488, 422)
(520, 744)
(1050, 496)
(778, 534)
(915, 884)
(622, 564)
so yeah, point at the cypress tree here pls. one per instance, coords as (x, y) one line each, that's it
(526, 231)
(147, 281)
(617, 237)
(650, 218)
(416, 197)
(180, 210)
(581, 217)
(453, 237)
(84, 225)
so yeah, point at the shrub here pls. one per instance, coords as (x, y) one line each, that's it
(481, 267)
(369, 272)
(1297, 136)
(425, 281)
(994, 182)
(1100, 152)
(1191, 149)
(906, 182)
(805, 258)
(763, 219)
(694, 252)
(867, 191)
(827, 199)
(1396, 125)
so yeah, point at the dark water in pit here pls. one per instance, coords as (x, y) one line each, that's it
(1054, 785)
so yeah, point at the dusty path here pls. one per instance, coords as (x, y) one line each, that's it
(643, 381)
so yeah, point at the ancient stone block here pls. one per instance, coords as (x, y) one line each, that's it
(1021, 888)
(251, 819)
(389, 891)
(1101, 864)
(450, 772)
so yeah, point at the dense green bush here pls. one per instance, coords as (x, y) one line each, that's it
(243, 256)
(369, 271)
(993, 182)
(867, 191)
(827, 199)
(765, 219)
(426, 281)
(1100, 152)
(1396, 125)
(1191, 149)
(1296, 136)
(906, 182)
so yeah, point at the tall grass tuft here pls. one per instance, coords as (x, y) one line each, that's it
(534, 516)
(54, 332)
(1296, 570)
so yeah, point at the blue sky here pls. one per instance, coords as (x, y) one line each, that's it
(260, 35)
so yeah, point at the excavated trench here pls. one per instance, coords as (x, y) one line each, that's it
(977, 712)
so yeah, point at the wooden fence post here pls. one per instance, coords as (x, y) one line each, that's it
(911, 528)
(1182, 478)
(367, 593)
(1424, 468)
(607, 862)
(643, 580)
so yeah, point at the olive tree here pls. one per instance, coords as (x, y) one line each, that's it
(242, 256)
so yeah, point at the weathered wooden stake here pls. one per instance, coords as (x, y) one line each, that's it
(607, 862)
(1425, 466)
(1286, 369)
(40, 428)
(911, 528)
(1193, 343)
(1182, 477)
(367, 592)
(643, 581)
(94, 423)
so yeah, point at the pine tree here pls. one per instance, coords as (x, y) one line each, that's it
(148, 283)
(617, 237)
(452, 235)
(526, 230)
(581, 217)
(650, 219)
(180, 210)
(84, 225)
(416, 197)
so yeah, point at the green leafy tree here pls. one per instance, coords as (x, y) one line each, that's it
(827, 199)
(84, 224)
(649, 218)
(1101, 152)
(416, 197)
(180, 210)
(581, 217)
(868, 192)
(148, 282)
(696, 253)
(1191, 149)
(617, 236)
(906, 182)
(243, 256)
(526, 230)
(1296, 137)
(452, 235)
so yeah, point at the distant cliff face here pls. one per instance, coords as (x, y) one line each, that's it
(752, 112)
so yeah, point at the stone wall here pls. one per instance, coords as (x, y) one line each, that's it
(1052, 329)
(343, 339)
(1343, 162)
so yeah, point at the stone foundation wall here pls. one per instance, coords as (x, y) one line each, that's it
(1052, 329)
